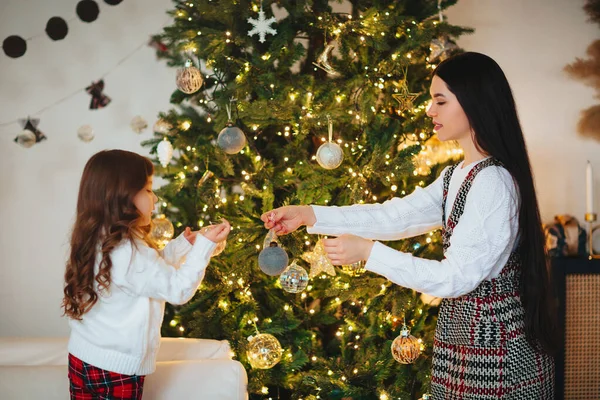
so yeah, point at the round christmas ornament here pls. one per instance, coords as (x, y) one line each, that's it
(406, 348)
(356, 269)
(85, 133)
(138, 124)
(26, 138)
(231, 139)
(294, 279)
(57, 28)
(14, 46)
(87, 10)
(189, 79)
(164, 150)
(264, 351)
(161, 231)
(273, 260)
(163, 127)
(330, 154)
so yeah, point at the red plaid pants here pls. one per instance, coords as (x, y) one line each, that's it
(90, 383)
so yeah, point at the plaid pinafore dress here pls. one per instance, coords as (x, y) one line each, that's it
(480, 351)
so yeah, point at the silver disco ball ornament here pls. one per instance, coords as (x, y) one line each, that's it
(294, 279)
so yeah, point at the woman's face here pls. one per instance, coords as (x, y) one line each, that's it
(449, 119)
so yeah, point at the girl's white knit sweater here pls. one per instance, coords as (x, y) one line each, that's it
(121, 333)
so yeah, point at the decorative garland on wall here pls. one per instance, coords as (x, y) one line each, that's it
(57, 28)
(31, 134)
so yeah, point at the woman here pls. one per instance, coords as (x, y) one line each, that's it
(492, 339)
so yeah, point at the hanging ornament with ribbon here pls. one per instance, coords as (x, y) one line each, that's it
(272, 259)
(30, 134)
(330, 154)
(441, 47)
(99, 99)
(323, 60)
(403, 95)
(231, 139)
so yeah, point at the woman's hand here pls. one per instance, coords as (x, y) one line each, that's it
(347, 249)
(284, 220)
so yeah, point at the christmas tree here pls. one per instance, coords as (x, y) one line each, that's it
(294, 102)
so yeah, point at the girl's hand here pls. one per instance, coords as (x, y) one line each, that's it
(189, 235)
(347, 249)
(284, 220)
(216, 233)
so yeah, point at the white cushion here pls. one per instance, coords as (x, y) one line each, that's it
(36, 368)
(53, 351)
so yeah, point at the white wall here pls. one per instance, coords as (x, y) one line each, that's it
(38, 187)
(533, 40)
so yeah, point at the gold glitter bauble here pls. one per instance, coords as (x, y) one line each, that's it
(406, 348)
(161, 231)
(264, 351)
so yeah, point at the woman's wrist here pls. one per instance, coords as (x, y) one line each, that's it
(308, 216)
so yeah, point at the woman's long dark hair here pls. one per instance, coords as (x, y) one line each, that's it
(483, 91)
(106, 215)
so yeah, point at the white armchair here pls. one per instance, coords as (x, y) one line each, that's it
(36, 368)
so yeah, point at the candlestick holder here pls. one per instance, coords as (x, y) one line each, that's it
(590, 218)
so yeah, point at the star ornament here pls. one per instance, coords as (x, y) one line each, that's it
(441, 49)
(262, 26)
(318, 260)
(404, 97)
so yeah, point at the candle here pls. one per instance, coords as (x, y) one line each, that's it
(589, 189)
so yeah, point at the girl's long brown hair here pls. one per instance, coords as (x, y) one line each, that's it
(106, 215)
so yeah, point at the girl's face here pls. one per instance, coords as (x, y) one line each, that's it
(144, 201)
(449, 119)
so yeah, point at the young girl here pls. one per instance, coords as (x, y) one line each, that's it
(493, 337)
(117, 282)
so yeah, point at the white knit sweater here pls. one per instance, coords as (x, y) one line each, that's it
(479, 247)
(121, 333)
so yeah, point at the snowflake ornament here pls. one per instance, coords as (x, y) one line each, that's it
(262, 26)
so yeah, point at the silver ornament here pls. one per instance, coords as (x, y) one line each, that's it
(294, 279)
(330, 155)
(231, 139)
(85, 133)
(165, 152)
(273, 260)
